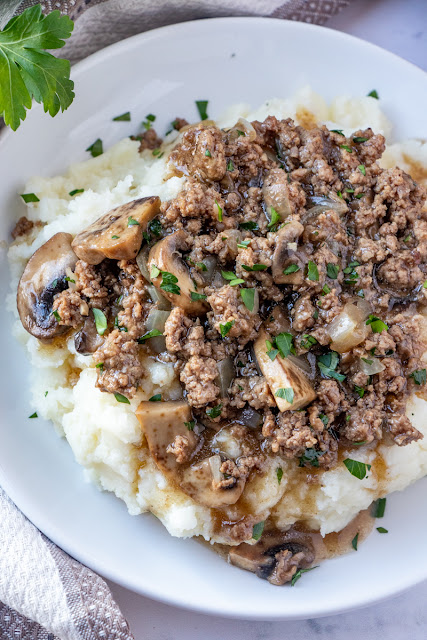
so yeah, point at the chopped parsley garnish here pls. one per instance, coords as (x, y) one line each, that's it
(155, 227)
(284, 343)
(197, 296)
(362, 169)
(327, 364)
(248, 297)
(208, 155)
(346, 147)
(315, 315)
(349, 190)
(377, 325)
(214, 412)
(279, 474)
(56, 316)
(312, 271)
(339, 131)
(359, 139)
(34, 415)
(355, 541)
(100, 366)
(339, 194)
(148, 120)
(201, 266)
(325, 290)
(190, 425)
(271, 351)
(324, 419)
(382, 530)
(156, 398)
(132, 222)
(202, 106)
(54, 283)
(96, 148)
(286, 393)
(45, 393)
(425, 284)
(311, 456)
(249, 226)
(307, 341)
(100, 321)
(367, 360)
(419, 376)
(219, 211)
(332, 270)
(374, 94)
(168, 280)
(299, 573)
(158, 153)
(115, 237)
(356, 468)
(124, 117)
(378, 508)
(359, 390)
(230, 165)
(150, 334)
(255, 267)
(292, 268)
(225, 328)
(120, 398)
(244, 244)
(360, 195)
(75, 192)
(275, 218)
(29, 197)
(257, 530)
(240, 133)
(232, 278)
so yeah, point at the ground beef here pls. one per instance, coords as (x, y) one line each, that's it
(181, 449)
(201, 153)
(121, 367)
(71, 308)
(252, 390)
(228, 307)
(149, 140)
(22, 227)
(179, 123)
(198, 377)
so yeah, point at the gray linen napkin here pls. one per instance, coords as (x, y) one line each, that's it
(46, 594)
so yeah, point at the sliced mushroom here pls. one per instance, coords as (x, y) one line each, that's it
(166, 256)
(281, 373)
(161, 422)
(117, 234)
(199, 483)
(276, 557)
(44, 277)
(286, 254)
(87, 340)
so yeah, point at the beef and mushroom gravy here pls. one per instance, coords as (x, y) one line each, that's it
(285, 285)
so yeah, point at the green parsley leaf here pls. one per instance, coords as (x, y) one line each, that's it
(255, 267)
(132, 222)
(359, 139)
(157, 153)
(202, 106)
(286, 393)
(225, 328)
(359, 390)
(271, 352)
(299, 573)
(382, 530)
(28, 71)
(149, 119)
(378, 507)
(56, 316)
(244, 244)
(339, 194)
(75, 192)
(240, 133)
(292, 268)
(275, 219)
(325, 290)
(154, 271)
(419, 376)
(100, 321)
(346, 147)
(248, 297)
(125, 117)
(249, 226)
(374, 94)
(100, 366)
(228, 275)
(377, 325)
(360, 195)
(150, 334)
(312, 271)
(355, 541)
(197, 296)
(219, 211)
(311, 456)
(155, 227)
(349, 190)
(27, 197)
(156, 398)
(257, 530)
(324, 419)
(168, 282)
(339, 131)
(209, 155)
(34, 415)
(356, 468)
(230, 165)
(201, 266)
(45, 393)
(96, 149)
(327, 364)
(120, 398)
(214, 412)
(307, 341)
(279, 474)
(367, 360)
(190, 425)
(362, 169)
(425, 284)
(284, 342)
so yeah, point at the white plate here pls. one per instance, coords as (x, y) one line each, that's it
(164, 72)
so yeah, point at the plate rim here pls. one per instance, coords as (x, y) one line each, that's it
(52, 530)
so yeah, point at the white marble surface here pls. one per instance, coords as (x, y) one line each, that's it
(399, 26)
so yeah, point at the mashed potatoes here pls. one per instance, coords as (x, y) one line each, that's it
(105, 435)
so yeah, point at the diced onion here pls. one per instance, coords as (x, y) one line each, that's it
(156, 319)
(233, 237)
(244, 125)
(370, 366)
(256, 302)
(210, 263)
(215, 466)
(225, 375)
(141, 261)
(326, 203)
(250, 417)
(348, 329)
(292, 246)
(163, 303)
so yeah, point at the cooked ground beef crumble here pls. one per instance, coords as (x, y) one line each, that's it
(292, 234)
